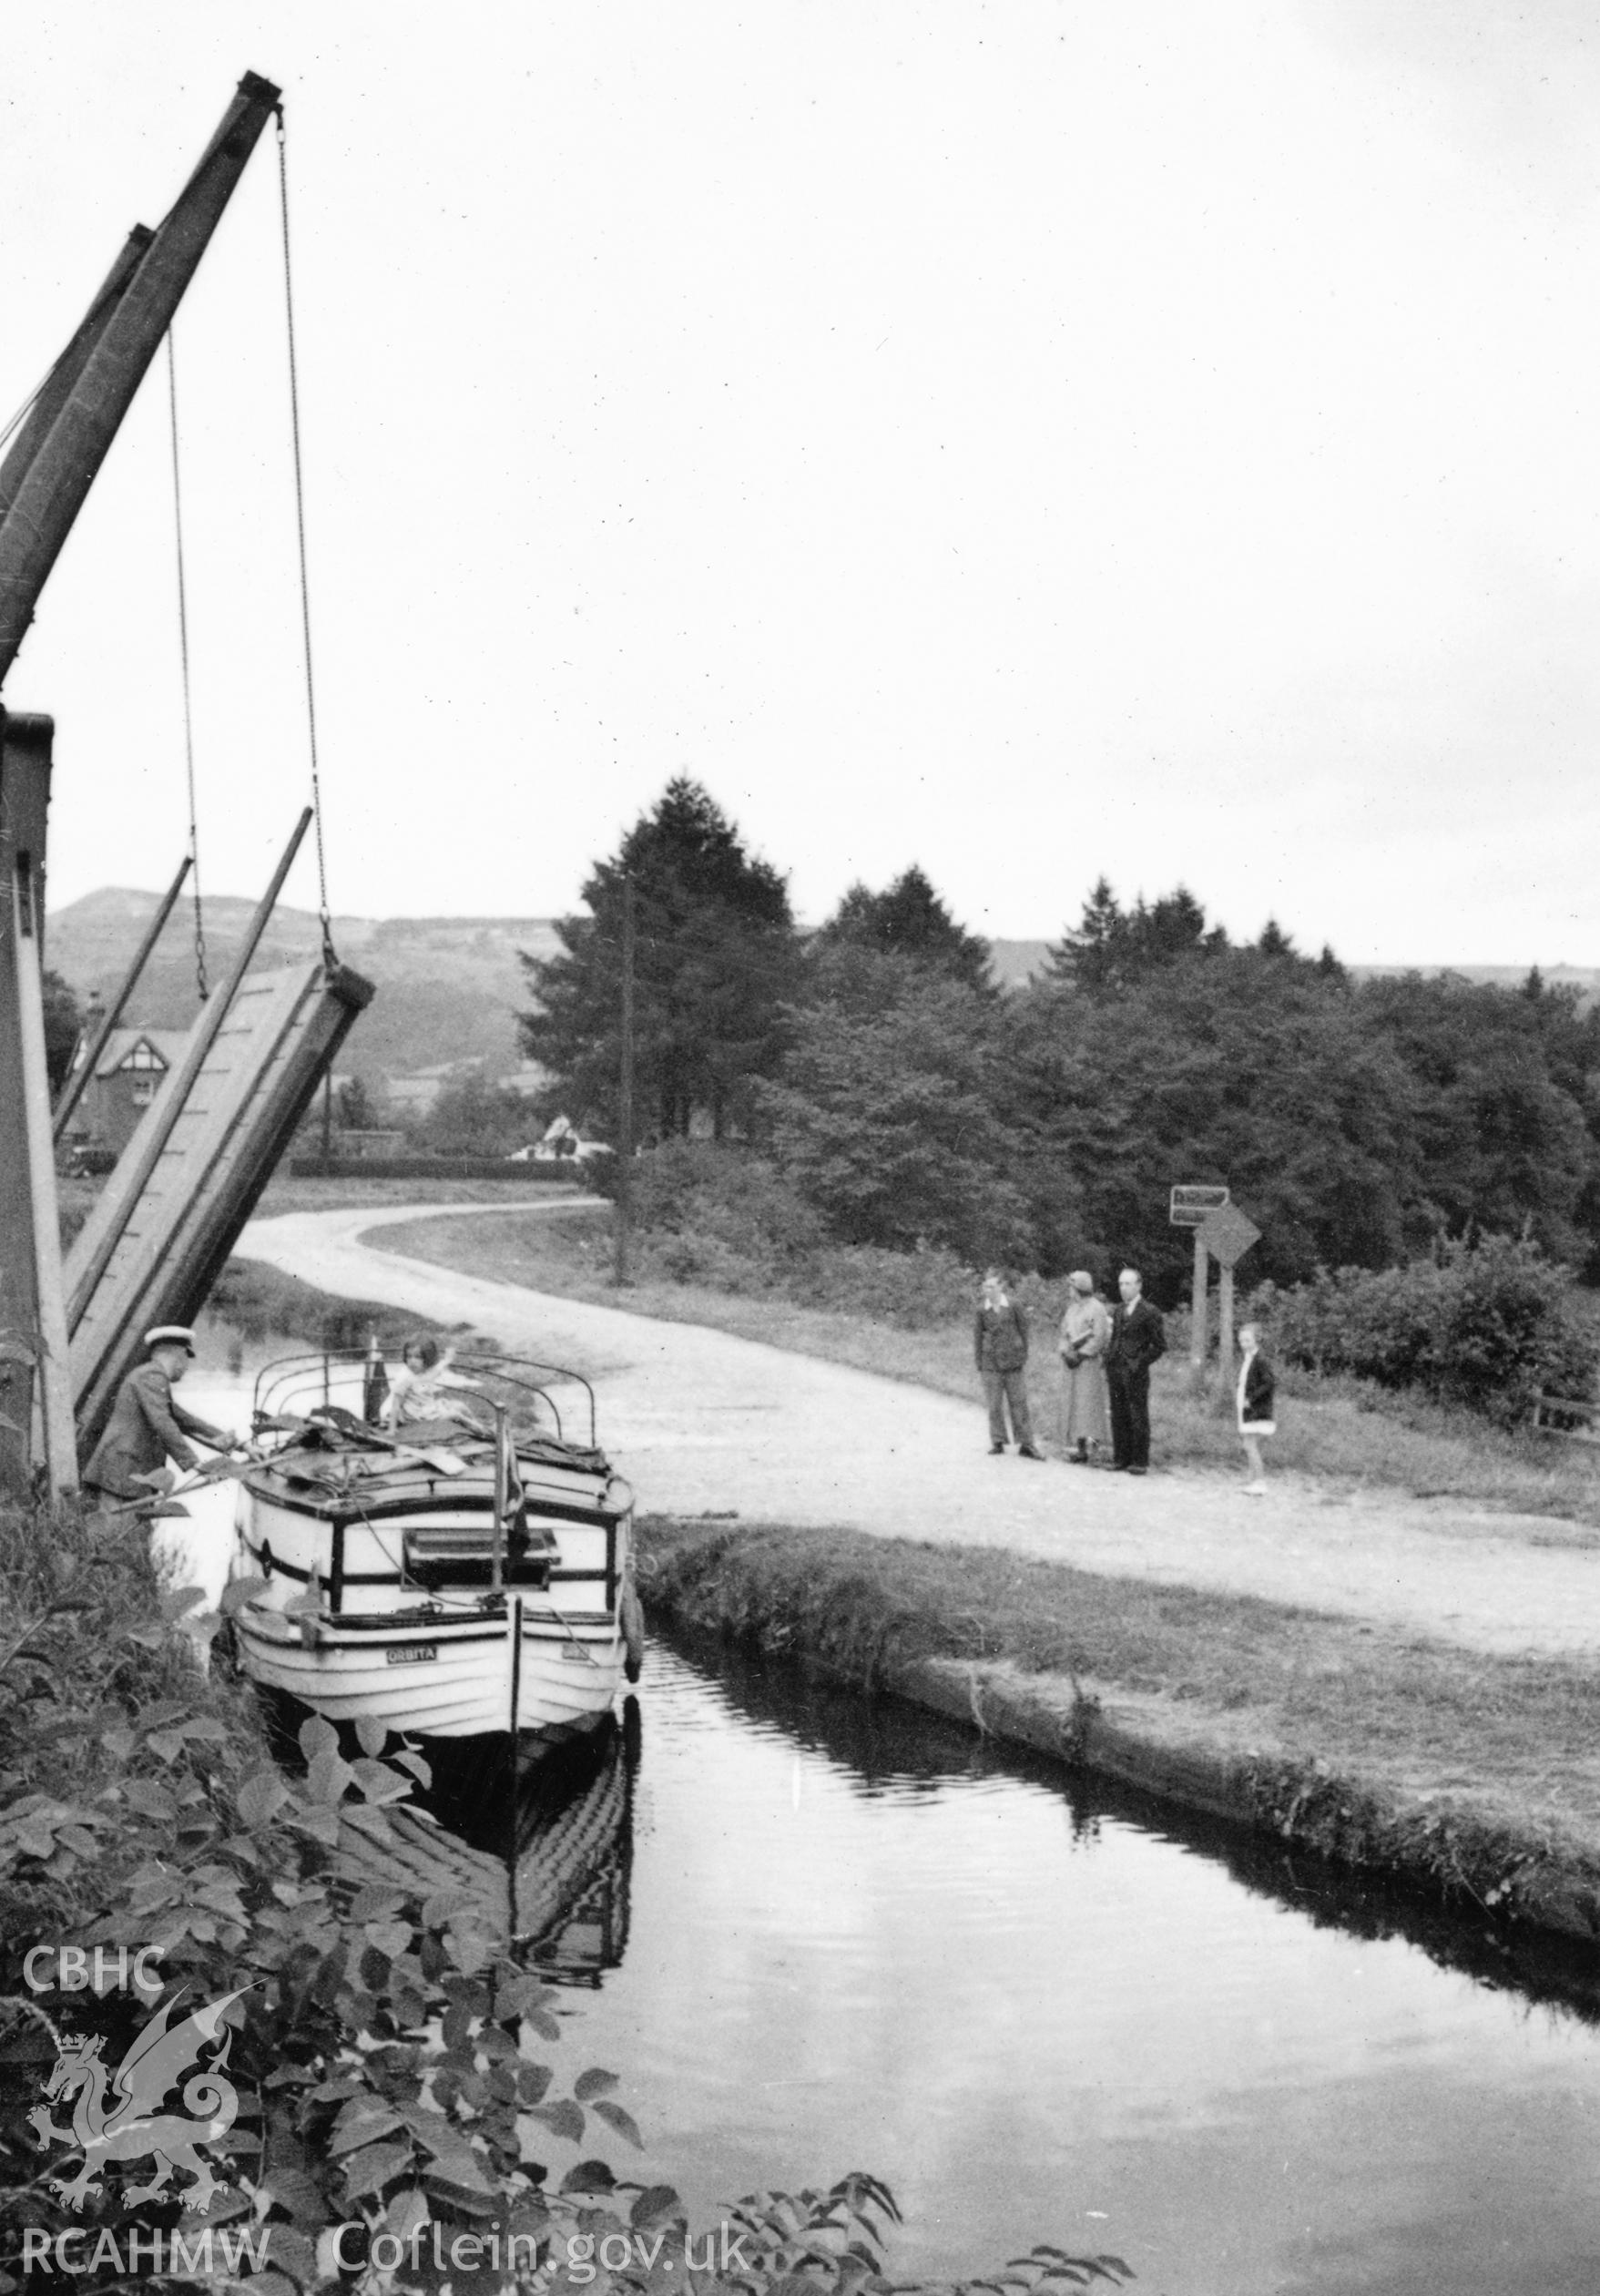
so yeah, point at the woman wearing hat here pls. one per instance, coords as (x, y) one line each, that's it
(1084, 1330)
(147, 1426)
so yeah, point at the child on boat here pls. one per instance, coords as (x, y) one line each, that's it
(419, 1390)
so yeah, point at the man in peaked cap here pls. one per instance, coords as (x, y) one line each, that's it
(148, 1427)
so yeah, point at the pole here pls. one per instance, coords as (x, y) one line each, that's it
(1197, 1334)
(327, 1120)
(55, 1379)
(501, 1505)
(1225, 1340)
(624, 1095)
(77, 1084)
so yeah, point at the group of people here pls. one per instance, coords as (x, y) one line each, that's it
(1106, 1354)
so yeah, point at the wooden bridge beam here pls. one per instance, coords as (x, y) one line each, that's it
(24, 805)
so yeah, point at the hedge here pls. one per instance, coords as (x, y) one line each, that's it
(432, 1167)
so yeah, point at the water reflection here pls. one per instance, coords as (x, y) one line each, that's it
(862, 1938)
(537, 1850)
(883, 1745)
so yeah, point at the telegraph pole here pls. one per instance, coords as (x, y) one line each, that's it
(624, 1095)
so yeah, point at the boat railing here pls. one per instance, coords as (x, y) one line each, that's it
(541, 1399)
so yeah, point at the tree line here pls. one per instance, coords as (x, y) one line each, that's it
(907, 1099)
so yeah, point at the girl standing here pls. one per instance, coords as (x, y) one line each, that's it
(1255, 1400)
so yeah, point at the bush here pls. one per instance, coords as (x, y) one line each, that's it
(1490, 1324)
(724, 1217)
(916, 1290)
(700, 1187)
(564, 1173)
(686, 1255)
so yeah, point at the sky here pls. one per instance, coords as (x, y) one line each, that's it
(1038, 440)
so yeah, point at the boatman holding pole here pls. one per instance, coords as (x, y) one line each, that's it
(147, 1425)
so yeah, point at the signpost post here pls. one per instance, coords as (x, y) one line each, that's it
(1191, 1207)
(1227, 1235)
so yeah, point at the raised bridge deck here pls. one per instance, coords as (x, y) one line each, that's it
(190, 1176)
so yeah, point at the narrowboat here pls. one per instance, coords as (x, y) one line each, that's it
(469, 1573)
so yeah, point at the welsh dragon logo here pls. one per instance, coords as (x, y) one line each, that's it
(127, 2124)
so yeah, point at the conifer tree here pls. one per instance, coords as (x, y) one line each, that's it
(715, 957)
(909, 919)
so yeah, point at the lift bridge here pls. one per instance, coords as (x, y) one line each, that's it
(189, 1179)
(172, 1210)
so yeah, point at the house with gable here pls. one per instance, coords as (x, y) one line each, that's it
(132, 1067)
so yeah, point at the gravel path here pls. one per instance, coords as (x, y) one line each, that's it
(703, 1422)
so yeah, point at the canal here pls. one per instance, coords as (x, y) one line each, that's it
(815, 1934)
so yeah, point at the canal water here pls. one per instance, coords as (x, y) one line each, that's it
(817, 1933)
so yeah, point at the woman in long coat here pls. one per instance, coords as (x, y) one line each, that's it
(1084, 1330)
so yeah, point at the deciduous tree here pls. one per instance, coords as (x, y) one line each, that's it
(1227, 1067)
(473, 1116)
(886, 1116)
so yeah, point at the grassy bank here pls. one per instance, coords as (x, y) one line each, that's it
(1478, 1774)
(1346, 1434)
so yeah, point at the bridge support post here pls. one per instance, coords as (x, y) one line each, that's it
(24, 805)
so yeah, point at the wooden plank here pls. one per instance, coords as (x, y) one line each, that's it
(54, 1449)
(258, 1076)
(24, 804)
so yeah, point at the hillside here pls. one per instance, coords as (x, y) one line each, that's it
(449, 988)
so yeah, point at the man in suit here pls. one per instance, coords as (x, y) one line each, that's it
(148, 1425)
(1000, 1343)
(1137, 1338)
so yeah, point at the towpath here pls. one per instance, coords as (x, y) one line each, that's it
(702, 1422)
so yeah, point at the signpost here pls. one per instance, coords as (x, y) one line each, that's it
(1191, 1207)
(1227, 1235)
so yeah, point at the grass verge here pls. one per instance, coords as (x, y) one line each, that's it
(1339, 1431)
(1480, 1774)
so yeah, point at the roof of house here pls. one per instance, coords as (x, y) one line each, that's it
(164, 1042)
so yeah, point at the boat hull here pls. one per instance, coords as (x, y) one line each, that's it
(442, 1680)
(381, 1589)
